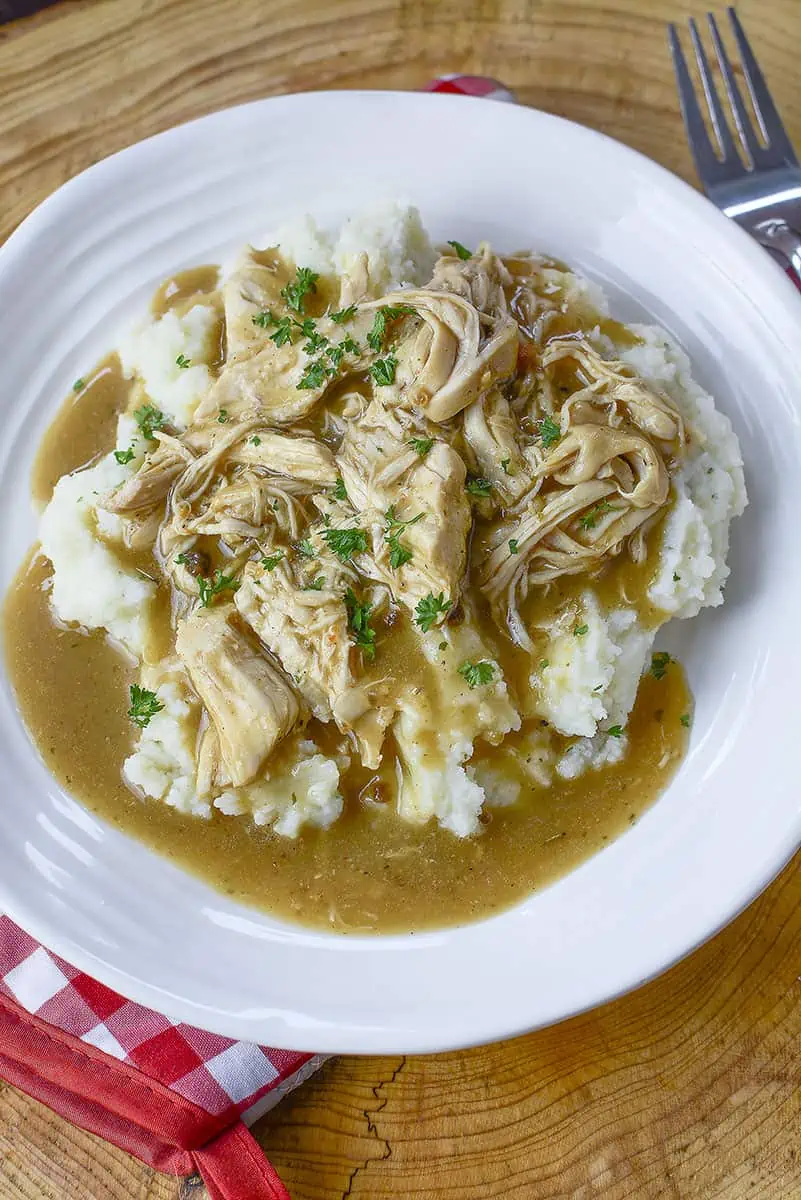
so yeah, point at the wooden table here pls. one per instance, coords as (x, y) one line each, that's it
(688, 1089)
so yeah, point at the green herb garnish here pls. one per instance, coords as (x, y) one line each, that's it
(315, 342)
(429, 609)
(659, 664)
(263, 319)
(550, 433)
(123, 457)
(514, 546)
(476, 673)
(461, 251)
(580, 630)
(223, 417)
(149, 419)
(359, 624)
(304, 283)
(345, 542)
(343, 315)
(349, 346)
(383, 370)
(685, 720)
(79, 385)
(390, 312)
(183, 361)
(479, 487)
(144, 705)
(314, 376)
(271, 561)
(316, 585)
(590, 518)
(305, 547)
(615, 731)
(339, 492)
(209, 588)
(398, 554)
(421, 446)
(255, 440)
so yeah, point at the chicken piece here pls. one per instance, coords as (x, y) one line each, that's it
(414, 506)
(609, 384)
(481, 279)
(451, 355)
(250, 701)
(298, 457)
(307, 631)
(489, 430)
(151, 483)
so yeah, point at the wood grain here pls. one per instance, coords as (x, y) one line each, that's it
(689, 1088)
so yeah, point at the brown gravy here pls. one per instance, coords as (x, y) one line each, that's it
(369, 872)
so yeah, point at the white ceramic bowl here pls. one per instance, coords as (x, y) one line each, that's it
(90, 256)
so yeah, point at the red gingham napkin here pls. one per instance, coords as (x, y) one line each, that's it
(178, 1098)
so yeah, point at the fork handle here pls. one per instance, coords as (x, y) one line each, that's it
(777, 235)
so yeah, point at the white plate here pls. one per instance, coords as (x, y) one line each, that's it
(92, 254)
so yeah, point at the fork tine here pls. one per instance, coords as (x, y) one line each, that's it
(770, 122)
(707, 164)
(726, 142)
(742, 120)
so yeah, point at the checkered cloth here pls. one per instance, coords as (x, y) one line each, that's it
(177, 1097)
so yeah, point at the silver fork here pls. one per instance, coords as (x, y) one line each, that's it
(755, 180)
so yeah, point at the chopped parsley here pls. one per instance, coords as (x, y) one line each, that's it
(305, 547)
(461, 251)
(349, 346)
(550, 432)
(476, 673)
(615, 731)
(149, 419)
(315, 342)
(421, 446)
(304, 284)
(505, 466)
(580, 630)
(223, 417)
(314, 376)
(123, 457)
(209, 588)
(255, 440)
(676, 577)
(429, 609)
(514, 546)
(544, 662)
(79, 385)
(685, 720)
(316, 585)
(271, 561)
(390, 312)
(283, 331)
(307, 327)
(144, 705)
(183, 361)
(359, 624)
(590, 518)
(383, 370)
(343, 315)
(659, 664)
(345, 542)
(336, 354)
(339, 492)
(479, 487)
(263, 319)
(398, 553)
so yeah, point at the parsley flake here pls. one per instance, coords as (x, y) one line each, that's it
(359, 624)
(345, 542)
(550, 433)
(183, 362)
(304, 284)
(339, 492)
(349, 346)
(615, 731)
(149, 419)
(271, 561)
(476, 673)
(421, 446)
(209, 588)
(305, 547)
(580, 630)
(685, 720)
(255, 440)
(544, 662)
(263, 319)
(429, 609)
(398, 553)
(390, 312)
(123, 457)
(223, 417)
(144, 705)
(383, 370)
(343, 315)
(283, 332)
(79, 385)
(314, 376)
(514, 546)
(659, 664)
(461, 251)
(315, 342)
(316, 585)
(590, 518)
(479, 487)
